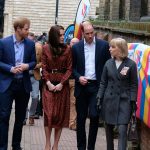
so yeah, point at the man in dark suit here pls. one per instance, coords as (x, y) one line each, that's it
(89, 57)
(17, 57)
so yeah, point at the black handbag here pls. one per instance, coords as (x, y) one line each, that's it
(132, 130)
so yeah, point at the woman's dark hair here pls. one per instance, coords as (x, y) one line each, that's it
(54, 34)
(53, 40)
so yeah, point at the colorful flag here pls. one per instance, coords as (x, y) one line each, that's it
(82, 12)
(140, 53)
(69, 33)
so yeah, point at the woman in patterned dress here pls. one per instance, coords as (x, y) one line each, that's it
(57, 68)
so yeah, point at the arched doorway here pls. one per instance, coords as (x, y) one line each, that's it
(2, 2)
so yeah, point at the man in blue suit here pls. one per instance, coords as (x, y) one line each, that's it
(17, 57)
(89, 57)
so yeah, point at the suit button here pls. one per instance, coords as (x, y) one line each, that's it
(112, 87)
(110, 93)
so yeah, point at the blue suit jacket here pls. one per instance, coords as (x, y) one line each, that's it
(7, 60)
(101, 56)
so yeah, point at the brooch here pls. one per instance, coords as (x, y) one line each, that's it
(124, 70)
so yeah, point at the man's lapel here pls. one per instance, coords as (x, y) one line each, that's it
(82, 55)
(97, 51)
(12, 49)
(25, 50)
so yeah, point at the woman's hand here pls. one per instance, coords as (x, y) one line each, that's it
(58, 87)
(133, 106)
(98, 104)
(50, 86)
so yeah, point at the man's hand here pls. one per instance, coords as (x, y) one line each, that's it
(24, 66)
(20, 68)
(50, 86)
(16, 70)
(83, 80)
(58, 87)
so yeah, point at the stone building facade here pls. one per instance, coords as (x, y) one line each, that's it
(124, 9)
(42, 13)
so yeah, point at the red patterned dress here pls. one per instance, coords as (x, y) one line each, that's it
(56, 104)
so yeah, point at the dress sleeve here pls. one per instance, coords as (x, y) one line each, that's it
(45, 73)
(68, 67)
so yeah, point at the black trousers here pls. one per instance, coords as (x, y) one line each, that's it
(39, 109)
(17, 93)
(86, 105)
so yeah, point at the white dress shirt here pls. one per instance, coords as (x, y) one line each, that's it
(89, 52)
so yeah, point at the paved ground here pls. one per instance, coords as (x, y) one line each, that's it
(33, 137)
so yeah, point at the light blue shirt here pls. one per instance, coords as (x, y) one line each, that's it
(89, 52)
(19, 53)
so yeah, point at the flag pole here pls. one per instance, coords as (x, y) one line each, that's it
(56, 14)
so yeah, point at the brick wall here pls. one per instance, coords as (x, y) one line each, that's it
(42, 13)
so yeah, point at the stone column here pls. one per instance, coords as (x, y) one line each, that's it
(148, 7)
(101, 9)
(127, 9)
(135, 7)
(114, 9)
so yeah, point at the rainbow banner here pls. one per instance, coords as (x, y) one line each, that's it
(82, 12)
(140, 53)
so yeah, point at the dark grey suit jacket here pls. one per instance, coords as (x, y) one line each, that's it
(117, 91)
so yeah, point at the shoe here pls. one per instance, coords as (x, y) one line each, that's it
(73, 129)
(36, 116)
(31, 121)
(100, 123)
(40, 113)
(115, 132)
(24, 122)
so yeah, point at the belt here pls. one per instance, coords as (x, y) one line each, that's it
(91, 81)
(18, 80)
(57, 71)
